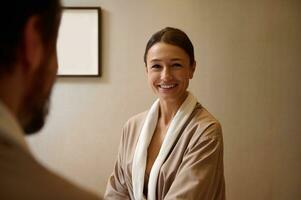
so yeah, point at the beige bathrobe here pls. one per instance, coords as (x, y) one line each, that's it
(192, 170)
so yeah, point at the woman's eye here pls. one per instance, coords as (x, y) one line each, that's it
(176, 65)
(156, 66)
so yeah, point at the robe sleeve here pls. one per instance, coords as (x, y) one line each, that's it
(200, 175)
(116, 186)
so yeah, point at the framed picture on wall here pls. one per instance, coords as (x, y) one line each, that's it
(78, 44)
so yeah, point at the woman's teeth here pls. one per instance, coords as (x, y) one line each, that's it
(165, 86)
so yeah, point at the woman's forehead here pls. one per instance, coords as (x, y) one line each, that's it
(162, 50)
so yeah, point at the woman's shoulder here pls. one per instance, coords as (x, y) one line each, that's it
(136, 119)
(203, 115)
(205, 124)
(133, 125)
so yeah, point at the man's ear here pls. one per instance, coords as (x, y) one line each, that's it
(32, 49)
(192, 70)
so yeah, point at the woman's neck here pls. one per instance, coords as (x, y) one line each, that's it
(169, 109)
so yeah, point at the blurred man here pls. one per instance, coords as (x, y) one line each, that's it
(28, 67)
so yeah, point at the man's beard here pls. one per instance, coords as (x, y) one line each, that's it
(36, 120)
(36, 102)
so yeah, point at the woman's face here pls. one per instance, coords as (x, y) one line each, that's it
(168, 72)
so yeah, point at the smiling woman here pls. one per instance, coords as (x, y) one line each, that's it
(169, 71)
(175, 149)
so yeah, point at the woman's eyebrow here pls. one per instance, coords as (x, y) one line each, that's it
(176, 59)
(155, 60)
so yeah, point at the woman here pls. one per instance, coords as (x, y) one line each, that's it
(174, 150)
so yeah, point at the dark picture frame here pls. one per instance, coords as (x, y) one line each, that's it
(79, 42)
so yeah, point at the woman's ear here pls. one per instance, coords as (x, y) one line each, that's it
(32, 46)
(192, 69)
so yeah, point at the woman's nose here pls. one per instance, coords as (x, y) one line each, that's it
(166, 74)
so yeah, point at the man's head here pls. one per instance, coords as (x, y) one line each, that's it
(28, 54)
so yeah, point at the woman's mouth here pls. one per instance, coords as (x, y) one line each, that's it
(167, 86)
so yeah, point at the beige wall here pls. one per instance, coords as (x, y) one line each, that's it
(248, 75)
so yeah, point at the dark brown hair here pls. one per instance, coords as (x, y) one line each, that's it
(172, 36)
(13, 18)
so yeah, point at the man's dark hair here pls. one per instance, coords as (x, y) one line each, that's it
(172, 36)
(13, 17)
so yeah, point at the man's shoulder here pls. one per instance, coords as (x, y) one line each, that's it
(22, 177)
